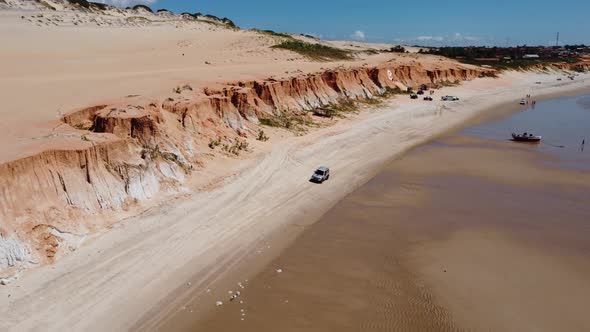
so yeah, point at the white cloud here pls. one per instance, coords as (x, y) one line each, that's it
(126, 3)
(452, 39)
(358, 35)
(429, 38)
(471, 38)
(459, 37)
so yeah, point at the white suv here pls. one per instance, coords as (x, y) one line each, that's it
(320, 175)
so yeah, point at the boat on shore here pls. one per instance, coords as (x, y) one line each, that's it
(526, 137)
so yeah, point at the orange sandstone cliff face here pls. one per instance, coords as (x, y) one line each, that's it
(138, 150)
(583, 65)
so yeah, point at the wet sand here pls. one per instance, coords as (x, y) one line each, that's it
(470, 232)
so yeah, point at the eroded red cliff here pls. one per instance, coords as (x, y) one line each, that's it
(134, 150)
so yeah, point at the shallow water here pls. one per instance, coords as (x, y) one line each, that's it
(470, 232)
(563, 122)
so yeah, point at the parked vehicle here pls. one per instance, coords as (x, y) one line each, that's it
(523, 102)
(449, 98)
(420, 92)
(414, 96)
(320, 175)
(428, 98)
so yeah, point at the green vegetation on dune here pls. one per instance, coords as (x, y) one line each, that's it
(82, 3)
(343, 107)
(144, 7)
(310, 36)
(273, 33)
(314, 51)
(297, 123)
(390, 92)
(262, 136)
(338, 109)
(98, 5)
(219, 24)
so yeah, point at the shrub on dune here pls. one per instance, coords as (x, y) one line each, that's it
(315, 51)
(144, 7)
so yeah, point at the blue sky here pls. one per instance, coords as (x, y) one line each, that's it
(426, 22)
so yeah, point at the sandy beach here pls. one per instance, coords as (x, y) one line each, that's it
(145, 213)
(169, 250)
(464, 233)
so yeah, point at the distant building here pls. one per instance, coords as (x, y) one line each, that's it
(530, 56)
